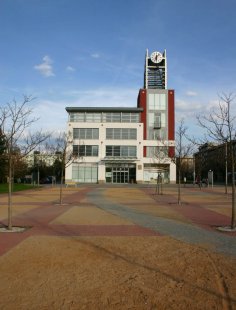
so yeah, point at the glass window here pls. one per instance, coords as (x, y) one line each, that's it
(95, 150)
(95, 133)
(75, 149)
(135, 118)
(107, 117)
(75, 133)
(89, 117)
(157, 102)
(151, 102)
(163, 119)
(97, 117)
(81, 150)
(116, 150)
(108, 150)
(117, 133)
(121, 133)
(109, 133)
(88, 150)
(125, 133)
(124, 151)
(125, 117)
(82, 133)
(89, 133)
(85, 133)
(132, 151)
(133, 133)
(76, 117)
(116, 117)
(162, 99)
(121, 151)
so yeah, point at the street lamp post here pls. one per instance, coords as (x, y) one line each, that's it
(210, 177)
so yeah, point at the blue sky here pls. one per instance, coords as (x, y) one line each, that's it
(91, 53)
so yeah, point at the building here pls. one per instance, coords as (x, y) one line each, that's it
(127, 145)
(214, 157)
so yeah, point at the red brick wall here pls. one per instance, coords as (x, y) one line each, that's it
(142, 103)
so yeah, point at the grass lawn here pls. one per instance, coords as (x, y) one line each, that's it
(16, 187)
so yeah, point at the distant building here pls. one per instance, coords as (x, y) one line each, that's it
(37, 158)
(127, 145)
(213, 157)
(187, 169)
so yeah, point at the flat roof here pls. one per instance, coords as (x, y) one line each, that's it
(104, 109)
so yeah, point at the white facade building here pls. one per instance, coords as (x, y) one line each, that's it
(126, 145)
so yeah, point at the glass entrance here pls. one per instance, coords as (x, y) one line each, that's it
(120, 173)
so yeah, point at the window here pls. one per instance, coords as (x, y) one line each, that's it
(130, 117)
(159, 152)
(85, 150)
(77, 117)
(112, 117)
(93, 117)
(85, 133)
(118, 117)
(157, 120)
(85, 174)
(121, 150)
(121, 133)
(157, 134)
(75, 150)
(157, 102)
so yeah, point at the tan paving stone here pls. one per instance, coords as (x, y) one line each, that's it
(89, 215)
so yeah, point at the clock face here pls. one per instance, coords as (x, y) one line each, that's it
(156, 57)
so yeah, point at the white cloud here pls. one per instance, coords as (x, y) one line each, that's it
(191, 93)
(45, 68)
(70, 69)
(95, 55)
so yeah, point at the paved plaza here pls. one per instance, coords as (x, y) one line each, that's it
(131, 224)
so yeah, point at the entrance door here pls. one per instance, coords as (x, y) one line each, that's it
(120, 175)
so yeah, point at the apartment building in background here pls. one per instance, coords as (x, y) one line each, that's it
(127, 144)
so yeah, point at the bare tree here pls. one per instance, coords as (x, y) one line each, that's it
(15, 121)
(220, 126)
(63, 146)
(183, 149)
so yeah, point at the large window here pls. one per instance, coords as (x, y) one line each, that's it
(121, 150)
(85, 133)
(109, 117)
(77, 117)
(157, 102)
(85, 150)
(121, 133)
(158, 152)
(93, 117)
(130, 118)
(85, 174)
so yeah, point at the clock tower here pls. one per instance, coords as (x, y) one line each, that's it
(155, 73)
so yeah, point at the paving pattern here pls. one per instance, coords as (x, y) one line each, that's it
(133, 210)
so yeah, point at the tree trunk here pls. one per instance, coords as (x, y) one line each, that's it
(179, 189)
(233, 188)
(226, 168)
(61, 185)
(10, 193)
